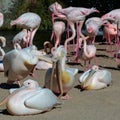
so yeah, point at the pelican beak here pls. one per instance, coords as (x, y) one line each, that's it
(45, 58)
(59, 77)
(87, 83)
(54, 62)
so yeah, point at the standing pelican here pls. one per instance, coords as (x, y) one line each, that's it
(63, 80)
(30, 21)
(95, 78)
(19, 63)
(30, 99)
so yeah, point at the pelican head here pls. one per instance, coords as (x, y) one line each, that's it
(59, 52)
(31, 83)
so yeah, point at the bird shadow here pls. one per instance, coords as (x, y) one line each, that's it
(104, 56)
(80, 71)
(8, 86)
(111, 68)
(79, 88)
(4, 112)
(98, 49)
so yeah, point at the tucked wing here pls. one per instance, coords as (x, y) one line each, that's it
(43, 99)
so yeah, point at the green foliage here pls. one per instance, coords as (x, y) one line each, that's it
(38, 6)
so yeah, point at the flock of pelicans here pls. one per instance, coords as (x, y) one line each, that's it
(24, 59)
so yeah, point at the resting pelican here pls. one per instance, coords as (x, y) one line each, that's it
(63, 80)
(95, 78)
(19, 63)
(30, 99)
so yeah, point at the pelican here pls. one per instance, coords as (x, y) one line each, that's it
(95, 78)
(30, 99)
(63, 80)
(19, 63)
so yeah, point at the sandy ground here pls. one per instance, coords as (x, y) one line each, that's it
(101, 104)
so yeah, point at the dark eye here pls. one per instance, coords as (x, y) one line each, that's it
(28, 83)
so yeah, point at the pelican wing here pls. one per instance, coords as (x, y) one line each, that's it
(73, 70)
(43, 99)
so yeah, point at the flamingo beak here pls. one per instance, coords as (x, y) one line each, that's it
(53, 74)
(97, 11)
(45, 58)
(90, 29)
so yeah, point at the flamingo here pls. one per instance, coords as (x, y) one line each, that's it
(30, 21)
(53, 8)
(3, 40)
(19, 63)
(114, 17)
(109, 33)
(47, 47)
(72, 15)
(95, 78)
(22, 37)
(87, 53)
(58, 29)
(76, 15)
(2, 53)
(63, 80)
(30, 99)
(93, 25)
(1, 19)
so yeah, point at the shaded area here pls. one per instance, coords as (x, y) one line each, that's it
(111, 68)
(8, 86)
(4, 112)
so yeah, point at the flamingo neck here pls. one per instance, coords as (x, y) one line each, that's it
(32, 34)
(73, 34)
(85, 49)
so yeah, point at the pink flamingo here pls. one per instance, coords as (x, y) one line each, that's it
(109, 33)
(30, 21)
(114, 17)
(87, 52)
(21, 38)
(58, 29)
(76, 15)
(72, 15)
(1, 19)
(93, 25)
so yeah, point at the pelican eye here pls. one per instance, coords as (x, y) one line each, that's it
(28, 83)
